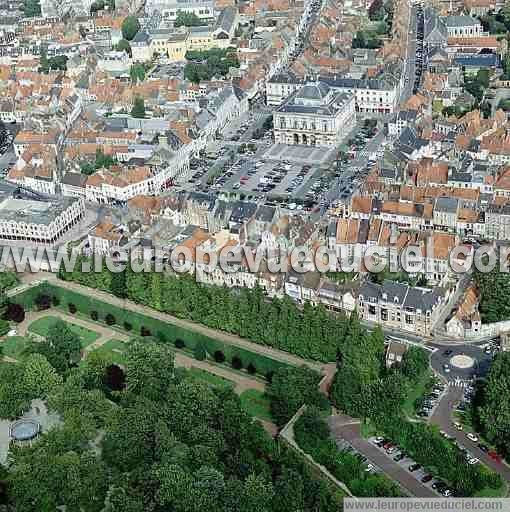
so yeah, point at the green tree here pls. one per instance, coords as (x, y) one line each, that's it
(150, 369)
(130, 26)
(32, 8)
(138, 109)
(188, 19)
(124, 46)
(137, 73)
(290, 389)
(494, 412)
(119, 499)
(61, 347)
(39, 377)
(415, 363)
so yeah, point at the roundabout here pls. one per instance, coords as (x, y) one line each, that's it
(462, 361)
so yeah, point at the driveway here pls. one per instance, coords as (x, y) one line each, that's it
(347, 429)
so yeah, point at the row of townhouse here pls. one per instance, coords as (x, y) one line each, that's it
(399, 306)
(377, 95)
(427, 253)
(174, 43)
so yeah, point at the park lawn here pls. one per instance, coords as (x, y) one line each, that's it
(13, 346)
(42, 325)
(256, 404)
(210, 378)
(115, 349)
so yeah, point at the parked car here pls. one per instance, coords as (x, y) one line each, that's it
(494, 456)
(472, 437)
(414, 467)
(457, 425)
(426, 478)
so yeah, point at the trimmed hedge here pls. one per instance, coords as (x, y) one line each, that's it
(164, 331)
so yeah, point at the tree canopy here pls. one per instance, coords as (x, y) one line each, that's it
(61, 347)
(494, 410)
(291, 388)
(130, 26)
(138, 109)
(164, 442)
(204, 65)
(188, 19)
(137, 73)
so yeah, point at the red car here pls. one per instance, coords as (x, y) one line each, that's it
(494, 456)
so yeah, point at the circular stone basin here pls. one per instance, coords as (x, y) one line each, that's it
(24, 430)
(461, 361)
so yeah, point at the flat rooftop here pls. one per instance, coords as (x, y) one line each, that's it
(33, 212)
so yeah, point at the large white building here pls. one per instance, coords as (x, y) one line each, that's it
(168, 9)
(371, 95)
(59, 8)
(315, 115)
(43, 221)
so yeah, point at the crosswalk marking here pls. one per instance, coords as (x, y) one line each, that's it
(458, 383)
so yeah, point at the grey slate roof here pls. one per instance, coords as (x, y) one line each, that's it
(460, 21)
(413, 298)
(141, 37)
(483, 60)
(446, 204)
(74, 179)
(226, 19)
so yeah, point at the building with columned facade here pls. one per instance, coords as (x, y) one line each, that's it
(314, 115)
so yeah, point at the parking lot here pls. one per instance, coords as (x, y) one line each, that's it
(344, 429)
(430, 400)
(474, 450)
(406, 463)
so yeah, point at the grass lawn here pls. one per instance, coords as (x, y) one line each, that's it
(255, 403)
(116, 349)
(210, 378)
(13, 346)
(501, 492)
(42, 325)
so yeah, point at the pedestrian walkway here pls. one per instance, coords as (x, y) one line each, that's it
(230, 339)
(459, 383)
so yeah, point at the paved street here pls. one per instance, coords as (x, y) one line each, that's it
(442, 417)
(444, 354)
(344, 428)
(409, 70)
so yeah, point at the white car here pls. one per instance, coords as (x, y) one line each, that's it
(457, 425)
(446, 368)
(472, 437)
(12, 332)
(472, 461)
